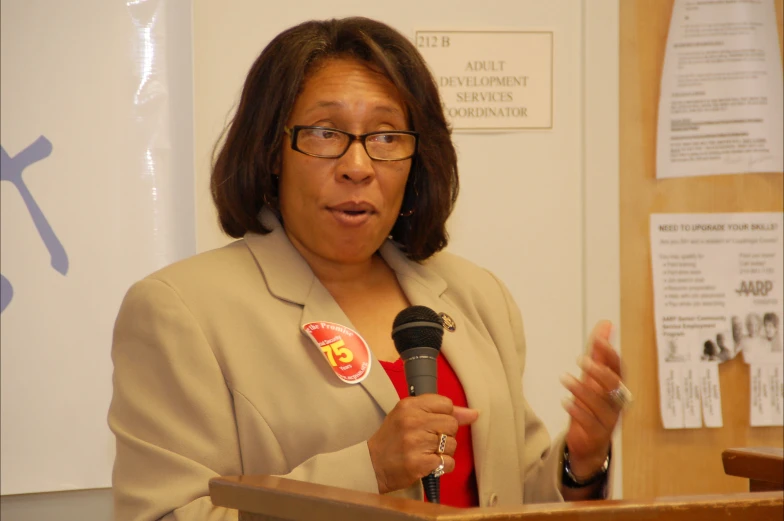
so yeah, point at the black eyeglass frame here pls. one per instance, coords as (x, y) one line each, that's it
(293, 133)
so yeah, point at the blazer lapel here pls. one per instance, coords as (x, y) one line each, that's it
(423, 286)
(289, 278)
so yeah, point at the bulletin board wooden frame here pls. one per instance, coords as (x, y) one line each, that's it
(659, 462)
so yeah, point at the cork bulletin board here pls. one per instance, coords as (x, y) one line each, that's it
(659, 462)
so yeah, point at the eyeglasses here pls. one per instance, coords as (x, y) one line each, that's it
(331, 143)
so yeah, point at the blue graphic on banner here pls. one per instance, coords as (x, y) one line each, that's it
(11, 169)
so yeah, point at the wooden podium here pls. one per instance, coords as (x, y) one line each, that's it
(269, 498)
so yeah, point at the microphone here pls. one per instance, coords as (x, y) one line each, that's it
(417, 332)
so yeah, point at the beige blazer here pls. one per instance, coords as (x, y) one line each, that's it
(213, 376)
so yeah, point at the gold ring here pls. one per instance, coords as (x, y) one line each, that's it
(442, 444)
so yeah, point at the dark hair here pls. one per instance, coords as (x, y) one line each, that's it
(771, 318)
(244, 173)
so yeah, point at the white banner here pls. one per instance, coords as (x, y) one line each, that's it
(97, 192)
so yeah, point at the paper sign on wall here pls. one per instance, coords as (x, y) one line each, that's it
(718, 293)
(721, 106)
(492, 80)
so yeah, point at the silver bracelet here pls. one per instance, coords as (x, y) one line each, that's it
(571, 481)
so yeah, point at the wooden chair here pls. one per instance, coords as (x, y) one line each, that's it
(763, 466)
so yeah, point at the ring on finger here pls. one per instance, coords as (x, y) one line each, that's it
(621, 396)
(441, 444)
(439, 470)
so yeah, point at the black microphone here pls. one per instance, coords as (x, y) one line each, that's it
(417, 332)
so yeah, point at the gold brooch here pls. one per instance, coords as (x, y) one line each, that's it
(449, 324)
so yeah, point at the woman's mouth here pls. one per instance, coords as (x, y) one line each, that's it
(352, 214)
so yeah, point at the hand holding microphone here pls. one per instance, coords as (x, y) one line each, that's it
(406, 446)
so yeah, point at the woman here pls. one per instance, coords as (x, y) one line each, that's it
(723, 353)
(710, 353)
(770, 323)
(338, 174)
(753, 344)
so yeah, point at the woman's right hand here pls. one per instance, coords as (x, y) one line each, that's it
(404, 449)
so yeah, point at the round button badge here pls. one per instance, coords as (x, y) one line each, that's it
(346, 352)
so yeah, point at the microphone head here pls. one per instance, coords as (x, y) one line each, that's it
(417, 326)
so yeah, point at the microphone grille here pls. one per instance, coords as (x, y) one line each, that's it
(427, 334)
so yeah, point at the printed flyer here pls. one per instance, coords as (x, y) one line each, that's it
(720, 107)
(718, 294)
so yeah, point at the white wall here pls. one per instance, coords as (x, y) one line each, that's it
(601, 177)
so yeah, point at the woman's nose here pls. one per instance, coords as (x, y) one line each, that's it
(356, 165)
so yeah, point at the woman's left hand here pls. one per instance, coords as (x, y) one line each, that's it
(594, 413)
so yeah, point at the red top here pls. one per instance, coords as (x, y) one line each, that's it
(458, 488)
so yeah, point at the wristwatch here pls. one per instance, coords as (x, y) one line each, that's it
(571, 481)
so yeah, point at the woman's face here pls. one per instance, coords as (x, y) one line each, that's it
(770, 330)
(341, 210)
(737, 329)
